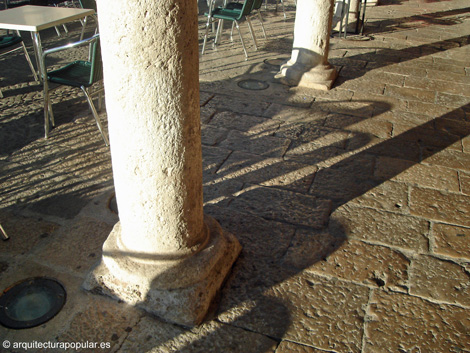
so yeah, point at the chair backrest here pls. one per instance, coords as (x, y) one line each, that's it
(88, 4)
(257, 4)
(246, 9)
(96, 73)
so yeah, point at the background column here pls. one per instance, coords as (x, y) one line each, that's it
(309, 65)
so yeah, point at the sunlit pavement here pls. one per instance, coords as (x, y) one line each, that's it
(352, 205)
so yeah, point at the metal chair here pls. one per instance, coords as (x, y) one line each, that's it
(80, 73)
(14, 42)
(256, 8)
(219, 14)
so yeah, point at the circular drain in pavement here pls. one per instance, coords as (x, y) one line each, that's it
(31, 302)
(254, 85)
(275, 62)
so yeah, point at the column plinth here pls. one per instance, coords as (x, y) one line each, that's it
(176, 288)
(308, 65)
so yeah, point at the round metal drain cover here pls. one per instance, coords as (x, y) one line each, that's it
(254, 85)
(31, 302)
(275, 62)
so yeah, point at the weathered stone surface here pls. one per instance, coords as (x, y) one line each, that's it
(275, 172)
(375, 127)
(212, 159)
(220, 191)
(434, 177)
(290, 114)
(388, 196)
(282, 205)
(211, 135)
(346, 179)
(381, 227)
(440, 280)
(440, 206)
(252, 125)
(152, 336)
(76, 246)
(364, 263)
(261, 240)
(268, 146)
(397, 322)
(117, 321)
(447, 158)
(409, 93)
(291, 347)
(449, 240)
(27, 232)
(306, 309)
(309, 248)
(244, 106)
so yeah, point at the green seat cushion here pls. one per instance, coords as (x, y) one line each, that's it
(8, 41)
(75, 74)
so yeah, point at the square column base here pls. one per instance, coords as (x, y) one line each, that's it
(139, 282)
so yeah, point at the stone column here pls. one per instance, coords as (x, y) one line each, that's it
(308, 65)
(163, 255)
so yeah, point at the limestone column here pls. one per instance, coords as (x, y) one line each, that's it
(164, 255)
(308, 65)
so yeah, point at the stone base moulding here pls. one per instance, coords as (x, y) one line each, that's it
(176, 289)
(320, 77)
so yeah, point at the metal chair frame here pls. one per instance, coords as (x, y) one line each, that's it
(26, 54)
(86, 89)
(217, 14)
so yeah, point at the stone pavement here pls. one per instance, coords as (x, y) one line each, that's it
(352, 205)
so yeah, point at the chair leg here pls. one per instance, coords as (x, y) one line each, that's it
(3, 233)
(83, 28)
(241, 38)
(231, 32)
(205, 36)
(30, 63)
(47, 108)
(261, 22)
(95, 114)
(218, 32)
(250, 27)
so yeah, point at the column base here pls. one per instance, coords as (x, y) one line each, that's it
(319, 77)
(178, 290)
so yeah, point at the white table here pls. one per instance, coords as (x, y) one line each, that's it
(36, 18)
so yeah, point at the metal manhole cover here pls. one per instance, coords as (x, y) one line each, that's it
(275, 62)
(254, 85)
(31, 302)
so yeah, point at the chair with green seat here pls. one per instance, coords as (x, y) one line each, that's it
(13, 42)
(80, 73)
(219, 14)
(256, 8)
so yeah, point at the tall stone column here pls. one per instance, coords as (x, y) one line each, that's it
(308, 65)
(164, 255)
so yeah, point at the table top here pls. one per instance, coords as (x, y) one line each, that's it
(35, 18)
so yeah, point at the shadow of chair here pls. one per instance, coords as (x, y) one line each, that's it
(83, 74)
(13, 42)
